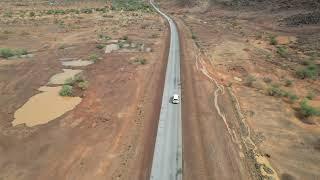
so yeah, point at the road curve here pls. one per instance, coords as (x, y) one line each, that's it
(167, 158)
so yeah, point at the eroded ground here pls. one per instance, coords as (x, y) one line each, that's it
(110, 133)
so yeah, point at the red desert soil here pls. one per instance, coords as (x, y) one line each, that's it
(111, 133)
(272, 138)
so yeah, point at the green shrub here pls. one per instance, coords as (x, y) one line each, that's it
(20, 52)
(66, 90)
(141, 61)
(193, 36)
(310, 95)
(292, 97)
(307, 110)
(70, 81)
(282, 51)
(100, 46)
(288, 82)
(83, 85)
(267, 80)
(273, 40)
(86, 11)
(311, 71)
(131, 5)
(7, 52)
(32, 14)
(125, 38)
(306, 62)
(104, 37)
(94, 57)
(275, 91)
(249, 80)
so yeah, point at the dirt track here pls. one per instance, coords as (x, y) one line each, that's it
(208, 150)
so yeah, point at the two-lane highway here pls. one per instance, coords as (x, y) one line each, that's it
(167, 158)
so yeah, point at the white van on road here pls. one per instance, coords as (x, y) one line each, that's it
(175, 99)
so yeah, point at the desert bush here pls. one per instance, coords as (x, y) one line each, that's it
(275, 91)
(86, 11)
(311, 71)
(141, 61)
(306, 62)
(100, 46)
(104, 37)
(310, 95)
(273, 40)
(193, 36)
(32, 14)
(66, 90)
(83, 85)
(7, 52)
(282, 51)
(249, 80)
(288, 82)
(94, 57)
(292, 97)
(307, 110)
(8, 14)
(131, 5)
(125, 38)
(267, 80)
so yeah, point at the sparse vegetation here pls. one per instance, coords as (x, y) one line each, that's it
(274, 90)
(267, 80)
(193, 36)
(310, 95)
(104, 37)
(83, 85)
(100, 46)
(131, 5)
(288, 82)
(307, 110)
(141, 61)
(125, 38)
(282, 51)
(249, 80)
(311, 71)
(94, 57)
(79, 81)
(7, 52)
(32, 14)
(273, 40)
(66, 90)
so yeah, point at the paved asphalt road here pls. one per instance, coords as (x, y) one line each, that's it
(167, 158)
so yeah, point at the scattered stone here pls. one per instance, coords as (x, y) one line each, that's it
(133, 45)
(237, 79)
(111, 47)
(148, 50)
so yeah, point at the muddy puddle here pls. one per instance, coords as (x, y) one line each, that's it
(44, 107)
(62, 77)
(77, 63)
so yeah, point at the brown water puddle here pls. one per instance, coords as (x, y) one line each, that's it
(44, 107)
